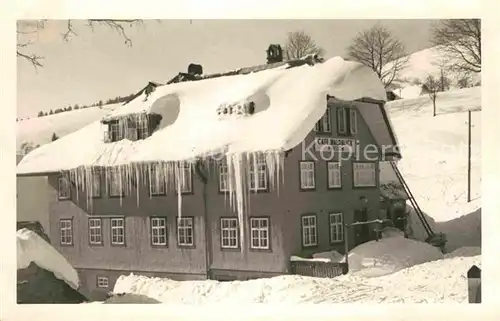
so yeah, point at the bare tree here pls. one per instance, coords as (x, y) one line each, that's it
(433, 86)
(378, 49)
(460, 40)
(27, 147)
(27, 30)
(300, 44)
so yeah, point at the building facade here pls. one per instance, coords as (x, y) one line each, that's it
(139, 231)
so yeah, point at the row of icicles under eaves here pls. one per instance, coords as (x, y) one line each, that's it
(239, 169)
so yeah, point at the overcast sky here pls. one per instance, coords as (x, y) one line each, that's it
(97, 65)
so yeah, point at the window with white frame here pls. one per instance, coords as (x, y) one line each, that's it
(364, 174)
(66, 230)
(223, 178)
(347, 121)
(64, 188)
(229, 233)
(309, 231)
(334, 175)
(336, 227)
(96, 184)
(259, 233)
(258, 173)
(185, 231)
(157, 185)
(324, 124)
(116, 182)
(185, 179)
(102, 282)
(307, 177)
(118, 231)
(159, 231)
(95, 231)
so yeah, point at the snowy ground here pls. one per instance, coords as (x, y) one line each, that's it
(39, 130)
(435, 151)
(413, 272)
(441, 281)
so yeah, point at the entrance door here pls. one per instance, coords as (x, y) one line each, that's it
(361, 232)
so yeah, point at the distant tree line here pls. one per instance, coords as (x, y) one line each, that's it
(100, 103)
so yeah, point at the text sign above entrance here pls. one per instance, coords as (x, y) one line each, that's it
(346, 145)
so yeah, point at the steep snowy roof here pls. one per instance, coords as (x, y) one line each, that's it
(288, 103)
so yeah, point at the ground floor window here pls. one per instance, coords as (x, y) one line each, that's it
(159, 231)
(95, 231)
(118, 231)
(336, 227)
(229, 233)
(259, 233)
(309, 231)
(66, 230)
(185, 231)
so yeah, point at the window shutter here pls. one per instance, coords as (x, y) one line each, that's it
(353, 121)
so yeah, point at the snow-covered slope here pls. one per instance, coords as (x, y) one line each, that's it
(424, 63)
(32, 248)
(435, 151)
(39, 130)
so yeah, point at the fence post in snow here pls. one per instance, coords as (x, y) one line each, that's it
(474, 282)
(469, 157)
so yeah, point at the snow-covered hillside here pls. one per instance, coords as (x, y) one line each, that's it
(434, 162)
(424, 63)
(434, 151)
(39, 130)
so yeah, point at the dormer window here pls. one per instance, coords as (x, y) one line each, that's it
(237, 109)
(131, 127)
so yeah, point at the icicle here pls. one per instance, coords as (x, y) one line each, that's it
(239, 168)
(179, 192)
(120, 181)
(137, 185)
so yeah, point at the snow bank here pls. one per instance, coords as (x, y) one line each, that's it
(441, 281)
(390, 254)
(464, 252)
(32, 248)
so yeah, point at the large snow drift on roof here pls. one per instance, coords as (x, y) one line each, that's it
(32, 248)
(288, 104)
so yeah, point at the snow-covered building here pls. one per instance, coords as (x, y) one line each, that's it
(221, 176)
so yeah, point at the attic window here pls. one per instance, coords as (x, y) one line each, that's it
(131, 127)
(237, 109)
